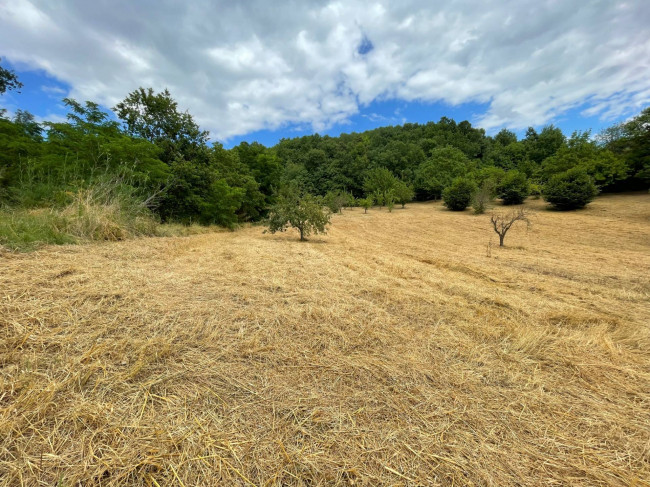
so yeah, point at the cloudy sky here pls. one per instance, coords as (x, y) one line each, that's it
(262, 70)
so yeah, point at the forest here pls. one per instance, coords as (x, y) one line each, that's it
(151, 160)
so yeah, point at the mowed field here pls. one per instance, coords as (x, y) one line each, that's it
(399, 349)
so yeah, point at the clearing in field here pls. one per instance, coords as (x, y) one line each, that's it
(401, 349)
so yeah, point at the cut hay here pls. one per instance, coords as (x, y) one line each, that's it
(393, 351)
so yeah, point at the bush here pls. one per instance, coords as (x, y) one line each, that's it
(514, 188)
(570, 190)
(535, 191)
(482, 197)
(458, 196)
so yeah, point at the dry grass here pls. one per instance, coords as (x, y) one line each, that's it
(393, 351)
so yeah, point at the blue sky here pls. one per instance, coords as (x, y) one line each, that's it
(333, 67)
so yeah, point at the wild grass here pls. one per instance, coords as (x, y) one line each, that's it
(102, 212)
(392, 351)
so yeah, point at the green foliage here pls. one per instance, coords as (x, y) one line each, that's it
(491, 176)
(8, 80)
(389, 200)
(379, 183)
(107, 210)
(545, 144)
(458, 195)
(513, 188)
(337, 200)
(304, 212)
(156, 118)
(603, 165)
(403, 193)
(365, 203)
(630, 142)
(535, 191)
(437, 172)
(570, 190)
(24, 229)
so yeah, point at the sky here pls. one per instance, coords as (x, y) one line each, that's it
(253, 70)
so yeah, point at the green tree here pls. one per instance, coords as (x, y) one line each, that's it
(603, 165)
(545, 144)
(435, 174)
(8, 80)
(570, 190)
(365, 203)
(630, 142)
(156, 117)
(505, 137)
(389, 200)
(379, 182)
(303, 212)
(337, 200)
(514, 188)
(458, 195)
(403, 193)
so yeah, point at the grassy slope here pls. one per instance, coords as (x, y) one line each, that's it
(394, 351)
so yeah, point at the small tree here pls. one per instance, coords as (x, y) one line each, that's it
(535, 191)
(502, 222)
(378, 198)
(379, 182)
(389, 200)
(403, 193)
(482, 197)
(570, 190)
(337, 200)
(365, 203)
(303, 212)
(458, 196)
(514, 188)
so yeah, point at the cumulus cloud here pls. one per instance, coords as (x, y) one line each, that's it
(245, 66)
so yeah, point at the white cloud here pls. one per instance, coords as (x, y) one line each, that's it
(245, 66)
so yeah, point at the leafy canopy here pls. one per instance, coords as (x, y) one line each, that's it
(303, 212)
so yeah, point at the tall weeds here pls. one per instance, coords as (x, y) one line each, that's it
(109, 209)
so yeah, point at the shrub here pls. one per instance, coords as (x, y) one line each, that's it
(570, 190)
(458, 196)
(535, 191)
(482, 197)
(514, 188)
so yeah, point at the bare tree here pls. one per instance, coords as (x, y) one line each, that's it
(503, 221)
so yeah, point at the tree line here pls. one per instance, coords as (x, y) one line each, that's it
(157, 153)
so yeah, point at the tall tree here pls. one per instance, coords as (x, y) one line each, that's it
(8, 80)
(156, 117)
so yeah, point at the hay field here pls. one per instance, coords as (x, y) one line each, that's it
(397, 350)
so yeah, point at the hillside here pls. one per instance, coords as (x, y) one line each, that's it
(399, 349)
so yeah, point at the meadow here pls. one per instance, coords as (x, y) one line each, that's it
(403, 348)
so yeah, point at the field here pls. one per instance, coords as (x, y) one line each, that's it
(400, 349)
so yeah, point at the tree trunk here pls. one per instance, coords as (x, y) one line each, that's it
(302, 237)
(501, 237)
